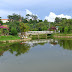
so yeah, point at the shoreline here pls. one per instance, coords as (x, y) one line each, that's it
(18, 40)
(62, 36)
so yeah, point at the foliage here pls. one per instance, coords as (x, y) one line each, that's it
(52, 29)
(0, 32)
(66, 30)
(25, 20)
(32, 23)
(10, 37)
(66, 44)
(13, 31)
(1, 21)
(33, 17)
(24, 27)
(14, 24)
(15, 17)
(3, 30)
(18, 48)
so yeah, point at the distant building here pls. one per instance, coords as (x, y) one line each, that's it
(4, 20)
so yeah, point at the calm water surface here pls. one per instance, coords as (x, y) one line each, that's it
(37, 56)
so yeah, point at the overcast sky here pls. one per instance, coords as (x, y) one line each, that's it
(42, 8)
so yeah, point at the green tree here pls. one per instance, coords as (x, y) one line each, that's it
(57, 19)
(24, 27)
(15, 17)
(1, 21)
(25, 20)
(13, 31)
(41, 26)
(66, 30)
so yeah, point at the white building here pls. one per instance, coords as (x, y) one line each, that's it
(4, 20)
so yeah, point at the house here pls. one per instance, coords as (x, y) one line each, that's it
(4, 20)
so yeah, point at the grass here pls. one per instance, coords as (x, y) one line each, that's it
(62, 34)
(10, 37)
(41, 36)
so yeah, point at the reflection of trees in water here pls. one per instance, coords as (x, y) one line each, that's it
(66, 44)
(24, 48)
(3, 49)
(17, 47)
(41, 43)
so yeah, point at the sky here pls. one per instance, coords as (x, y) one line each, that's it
(44, 9)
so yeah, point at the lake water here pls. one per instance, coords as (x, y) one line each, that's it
(36, 56)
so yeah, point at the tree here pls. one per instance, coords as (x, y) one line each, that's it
(1, 21)
(41, 26)
(24, 27)
(13, 31)
(66, 30)
(34, 17)
(40, 20)
(45, 21)
(30, 21)
(27, 16)
(15, 17)
(57, 19)
(25, 20)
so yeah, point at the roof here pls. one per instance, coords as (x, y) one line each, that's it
(4, 19)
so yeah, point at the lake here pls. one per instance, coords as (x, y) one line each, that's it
(49, 55)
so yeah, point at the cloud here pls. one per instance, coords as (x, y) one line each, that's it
(52, 16)
(28, 12)
(5, 13)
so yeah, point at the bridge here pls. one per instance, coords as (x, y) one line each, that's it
(35, 33)
(38, 32)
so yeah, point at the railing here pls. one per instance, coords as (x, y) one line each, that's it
(37, 32)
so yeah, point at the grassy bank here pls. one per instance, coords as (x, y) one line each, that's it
(62, 34)
(41, 36)
(10, 37)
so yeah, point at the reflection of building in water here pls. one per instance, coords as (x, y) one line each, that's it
(53, 43)
(35, 42)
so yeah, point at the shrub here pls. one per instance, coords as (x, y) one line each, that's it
(0, 32)
(13, 31)
(65, 30)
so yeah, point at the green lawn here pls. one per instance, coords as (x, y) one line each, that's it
(41, 36)
(9, 37)
(62, 34)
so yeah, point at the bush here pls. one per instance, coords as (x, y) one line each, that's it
(65, 30)
(0, 32)
(13, 31)
(5, 31)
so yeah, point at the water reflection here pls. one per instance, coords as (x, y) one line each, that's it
(66, 44)
(16, 47)
(24, 47)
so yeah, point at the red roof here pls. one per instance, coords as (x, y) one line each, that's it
(4, 19)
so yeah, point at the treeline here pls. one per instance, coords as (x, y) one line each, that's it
(17, 23)
(31, 21)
